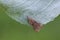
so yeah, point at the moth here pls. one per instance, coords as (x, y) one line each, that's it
(39, 12)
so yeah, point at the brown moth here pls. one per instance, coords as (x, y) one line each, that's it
(36, 26)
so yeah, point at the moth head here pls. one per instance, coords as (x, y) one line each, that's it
(36, 26)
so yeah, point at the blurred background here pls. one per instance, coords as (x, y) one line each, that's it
(13, 30)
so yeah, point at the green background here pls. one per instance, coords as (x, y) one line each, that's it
(12, 30)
